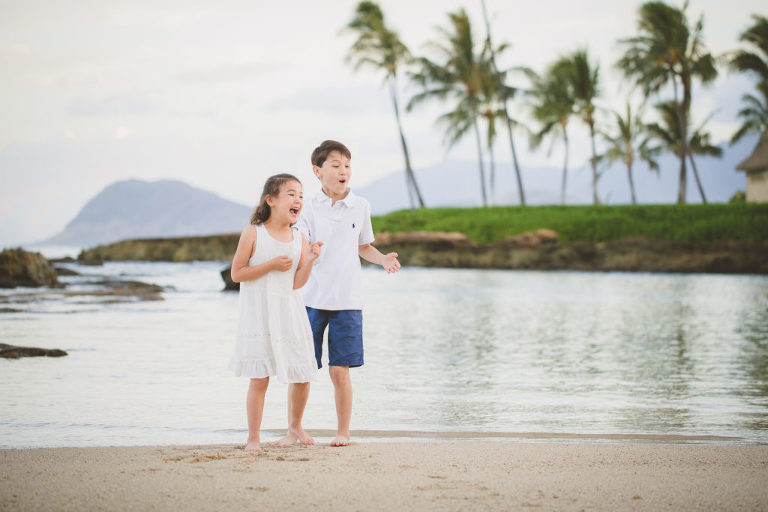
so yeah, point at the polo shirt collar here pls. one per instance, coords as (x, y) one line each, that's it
(324, 199)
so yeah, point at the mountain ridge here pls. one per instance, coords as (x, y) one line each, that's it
(133, 208)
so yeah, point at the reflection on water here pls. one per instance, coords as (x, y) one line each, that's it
(464, 350)
(575, 352)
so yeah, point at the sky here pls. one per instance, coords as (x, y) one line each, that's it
(223, 94)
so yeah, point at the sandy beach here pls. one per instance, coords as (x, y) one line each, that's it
(441, 475)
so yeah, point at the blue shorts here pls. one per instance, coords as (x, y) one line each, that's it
(345, 336)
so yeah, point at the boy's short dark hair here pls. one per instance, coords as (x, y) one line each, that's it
(322, 151)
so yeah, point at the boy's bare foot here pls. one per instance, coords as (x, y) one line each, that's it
(340, 441)
(295, 435)
(252, 447)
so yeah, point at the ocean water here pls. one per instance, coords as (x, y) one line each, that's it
(447, 350)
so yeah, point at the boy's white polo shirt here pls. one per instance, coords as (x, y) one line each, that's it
(336, 280)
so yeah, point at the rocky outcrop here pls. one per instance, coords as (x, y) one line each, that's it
(229, 284)
(540, 250)
(14, 352)
(21, 268)
(535, 250)
(115, 290)
(201, 248)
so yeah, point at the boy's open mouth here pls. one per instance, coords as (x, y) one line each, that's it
(343, 180)
(295, 210)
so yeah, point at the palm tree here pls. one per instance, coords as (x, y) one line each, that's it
(584, 82)
(493, 109)
(505, 95)
(458, 76)
(668, 51)
(630, 144)
(381, 48)
(553, 105)
(669, 137)
(755, 111)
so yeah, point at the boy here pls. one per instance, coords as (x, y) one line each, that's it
(333, 294)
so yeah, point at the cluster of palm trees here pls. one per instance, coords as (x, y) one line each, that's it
(668, 53)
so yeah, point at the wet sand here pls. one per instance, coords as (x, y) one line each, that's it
(440, 475)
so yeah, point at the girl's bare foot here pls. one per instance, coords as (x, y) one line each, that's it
(252, 447)
(340, 441)
(295, 435)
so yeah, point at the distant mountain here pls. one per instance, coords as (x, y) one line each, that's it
(140, 209)
(457, 183)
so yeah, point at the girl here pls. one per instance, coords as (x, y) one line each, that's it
(274, 338)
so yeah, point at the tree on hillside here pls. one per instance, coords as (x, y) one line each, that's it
(379, 47)
(629, 144)
(553, 105)
(505, 93)
(670, 139)
(457, 76)
(754, 63)
(668, 51)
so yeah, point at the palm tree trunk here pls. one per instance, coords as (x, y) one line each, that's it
(479, 151)
(503, 91)
(565, 167)
(493, 174)
(696, 176)
(684, 141)
(514, 156)
(631, 182)
(411, 184)
(593, 161)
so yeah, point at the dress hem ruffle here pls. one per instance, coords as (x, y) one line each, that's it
(260, 368)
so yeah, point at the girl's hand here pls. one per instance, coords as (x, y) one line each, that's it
(390, 263)
(281, 263)
(314, 251)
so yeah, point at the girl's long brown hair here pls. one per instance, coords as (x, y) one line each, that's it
(271, 188)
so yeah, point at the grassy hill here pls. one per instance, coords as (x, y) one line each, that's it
(696, 223)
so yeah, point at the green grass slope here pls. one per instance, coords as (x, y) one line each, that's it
(743, 222)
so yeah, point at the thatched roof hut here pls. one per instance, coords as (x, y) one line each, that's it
(756, 166)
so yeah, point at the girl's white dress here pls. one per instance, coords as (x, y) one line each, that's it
(274, 338)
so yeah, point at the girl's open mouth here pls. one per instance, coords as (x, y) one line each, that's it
(295, 210)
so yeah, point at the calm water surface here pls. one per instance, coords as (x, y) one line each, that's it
(446, 350)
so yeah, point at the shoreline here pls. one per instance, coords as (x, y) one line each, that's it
(450, 475)
(383, 436)
(538, 250)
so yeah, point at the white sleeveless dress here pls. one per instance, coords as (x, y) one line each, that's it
(274, 338)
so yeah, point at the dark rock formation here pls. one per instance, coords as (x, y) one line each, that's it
(540, 250)
(65, 259)
(200, 248)
(14, 352)
(229, 284)
(118, 289)
(21, 268)
(62, 271)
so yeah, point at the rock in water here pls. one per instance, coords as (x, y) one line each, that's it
(14, 352)
(21, 268)
(226, 276)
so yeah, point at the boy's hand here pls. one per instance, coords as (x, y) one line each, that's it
(281, 263)
(390, 263)
(314, 251)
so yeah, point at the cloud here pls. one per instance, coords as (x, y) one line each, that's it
(347, 101)
(119, 104)
(226, 72)
(122, 132)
